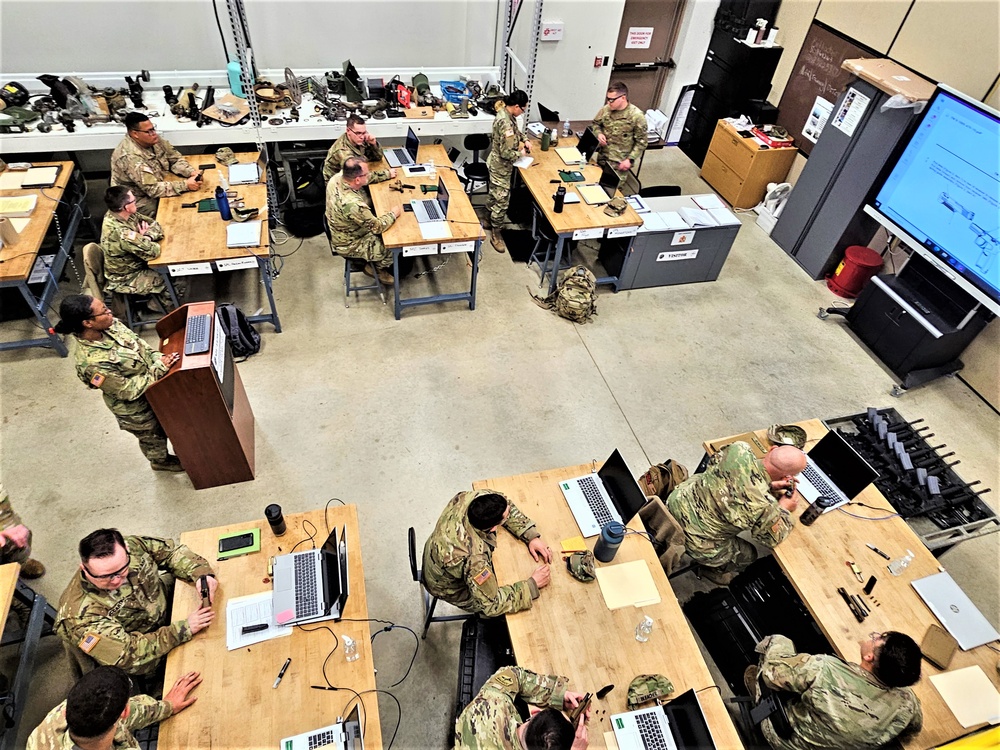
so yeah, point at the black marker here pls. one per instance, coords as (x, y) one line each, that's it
(281, 674)
(255, 629)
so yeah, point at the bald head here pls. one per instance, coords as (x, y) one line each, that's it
(784, 460)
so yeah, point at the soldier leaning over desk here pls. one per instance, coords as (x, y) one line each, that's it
(356, 141)
(621, 130)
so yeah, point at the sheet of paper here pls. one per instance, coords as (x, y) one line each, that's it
(251, 610)
(653, 222)
(672, 220)
(638, 204)
(20, 224)
(10, 180)
(435, 230)
(709, 200)
(609, 741)
(970, 695)
(574, 544)
(723, 216)
(627, 584)
(523, 162)
(246, 234)
(696, 217)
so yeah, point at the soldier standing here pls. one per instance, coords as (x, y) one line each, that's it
(98, 713)
(458, 555)
(507, 145)
(621, 130)
(355, 230)
(112, 359)
(836, 704)
(15, 540)
(116, 610)
(491, 720)
(357, 141)
(144, 164)
(130, 240)
(736, 493)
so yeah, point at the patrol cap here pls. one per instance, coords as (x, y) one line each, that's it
(648, 687)
(581, 566)
(225, 156)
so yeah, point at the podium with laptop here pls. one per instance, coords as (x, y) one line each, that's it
(571, 630)
(816, 559)
(240, 703)
(197, 241)
(201, 402)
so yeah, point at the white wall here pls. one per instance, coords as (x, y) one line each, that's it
(689, 53)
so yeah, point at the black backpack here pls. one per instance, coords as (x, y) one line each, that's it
(243, 337)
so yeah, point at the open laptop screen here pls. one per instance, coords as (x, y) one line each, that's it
(625, 492)
(412, 144)
(588, 144)
(443, 197)
(609, 180)
(845, 467)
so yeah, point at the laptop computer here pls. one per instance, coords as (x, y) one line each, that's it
(246, 174)
(344, 735)
(834, 470)
(399, 157)
(677, 725)
(570, 155)
(307, 585)
(610, 494)
(955, 610)
(588, 144)
(243, 234)
(432, 209)
(604, 190)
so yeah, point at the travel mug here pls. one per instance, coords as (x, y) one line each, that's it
(607, 544)
(277, 521)
(559, 199)
(815, 510)
(546, 139)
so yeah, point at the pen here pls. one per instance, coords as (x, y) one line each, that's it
(877, 551)
(281, 674)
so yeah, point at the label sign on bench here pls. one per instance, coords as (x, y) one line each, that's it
(233, 264)
(677, 255)
(622, 232)
(189, 269)
(458, 247)
(588, 234)
(412, 250)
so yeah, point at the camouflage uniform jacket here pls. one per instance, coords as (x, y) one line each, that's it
(626, 133)
(53, 734)
(343, 149)
(837, 706)
(491, 720)
(122, 366)
(732, 495)
(10, 552)
(125, 628)
(147, 172)
(126, 252)
(351, 219)
(8, 517)
(505, 144)
(458, 561)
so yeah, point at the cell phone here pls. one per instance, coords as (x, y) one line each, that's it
(407, 207)
(232, 543)
(574, 715)
(745, 134)
(415, 170)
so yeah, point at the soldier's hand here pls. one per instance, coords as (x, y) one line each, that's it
(200, 619)
(789, 503)
(143, 227)
(625, 165)
(178, 695)
(540, 550)
(602, 139)
(397, 211)
(213, 584)
(192, 183)
(16, 534)
(392, 173)
(541, 576)
(581, 739)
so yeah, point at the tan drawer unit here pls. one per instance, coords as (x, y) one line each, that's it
(739, 169)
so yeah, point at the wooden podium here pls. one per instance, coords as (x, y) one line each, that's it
(202, 405)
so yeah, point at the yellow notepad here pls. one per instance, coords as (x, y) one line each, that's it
(627, 584)
(17, 205)
(574, 544)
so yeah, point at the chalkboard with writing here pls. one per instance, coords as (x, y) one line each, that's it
(817, 74)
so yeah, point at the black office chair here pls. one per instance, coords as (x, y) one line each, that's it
(351, 266)
(429, 602)
(122, 304)
(476, 171)
(659, 191)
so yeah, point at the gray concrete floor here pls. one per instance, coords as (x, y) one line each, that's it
(398, 416)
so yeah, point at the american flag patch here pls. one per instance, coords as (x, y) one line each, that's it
(97, 381)
(483, 577)
(88, 642)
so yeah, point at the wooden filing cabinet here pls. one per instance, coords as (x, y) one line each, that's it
(739, 169)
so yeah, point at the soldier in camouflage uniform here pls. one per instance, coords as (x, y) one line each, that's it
(98, 713)
(357, 141)
(130, 240)
(507, 145)
(116, 610)
(736, 493)
(491, 720)
(111, 358)
(15, 540)
(458, 555)
(621, 130)
(355, 230)
(837, 705)
(151, 168)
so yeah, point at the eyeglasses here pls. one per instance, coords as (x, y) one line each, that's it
(613, 99)
(151, 130)
(877, 636)
(130, 202)
(102, 313)
(357, 132)
(120, 573)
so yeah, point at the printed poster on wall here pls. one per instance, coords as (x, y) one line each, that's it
(851, 109)
(816, 121)
(639, 37)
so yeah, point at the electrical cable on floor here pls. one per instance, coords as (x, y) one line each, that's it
(416, 648)
(399, 712)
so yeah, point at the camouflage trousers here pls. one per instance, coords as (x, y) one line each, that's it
(724, 556)
(499, 197)
(147, 282)
(371, 249)
(142, 423)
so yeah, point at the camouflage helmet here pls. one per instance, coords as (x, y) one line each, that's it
(648, 687)
(581, 566)
(225, 156)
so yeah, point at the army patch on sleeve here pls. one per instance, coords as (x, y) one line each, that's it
(88, 642)
(131, 236)
(776, 528)
(97, 381)
(483, 577)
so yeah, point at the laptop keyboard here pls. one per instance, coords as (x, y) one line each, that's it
(306, 601)
(820, 484)
(651, 732)
(196, 336)
(432, 210)
(321, 739)
(597, 503)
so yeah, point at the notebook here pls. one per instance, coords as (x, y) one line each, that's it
(610, 494)
(955, 610)
(243, 234)
(344, 735)
(310, 586)
(834, 470)
(17, 205)
(41, 177)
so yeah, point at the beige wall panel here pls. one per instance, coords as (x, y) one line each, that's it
(952, 41)
(871, 22)
(982, 364)
(793, 21)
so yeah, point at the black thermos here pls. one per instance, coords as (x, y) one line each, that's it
(273, 515)
(560, 198)
(814, 511)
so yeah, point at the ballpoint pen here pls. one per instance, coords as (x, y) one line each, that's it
(877, 551)
(281, 674)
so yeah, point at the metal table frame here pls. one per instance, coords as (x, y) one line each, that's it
(470, 296)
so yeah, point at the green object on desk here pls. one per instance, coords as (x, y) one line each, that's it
(238, 547)
(207, 204)
(573, 176)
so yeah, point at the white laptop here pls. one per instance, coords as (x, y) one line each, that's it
(677, 725)
(243, 234)
(570, 155)
(244, 174)
(402, 157)
(955, 610)
(610, 494)
(344, 735)
(834, 470)
(432, 209)
(308, 586)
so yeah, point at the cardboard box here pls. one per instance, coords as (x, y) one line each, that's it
(891, 77)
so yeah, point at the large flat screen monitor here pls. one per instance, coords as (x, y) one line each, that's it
(941, 195)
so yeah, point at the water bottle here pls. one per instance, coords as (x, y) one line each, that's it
(350, 648)
(275, 518)
(222, 201)
(546, 140)
(815, 510)
(607, 544)
(555, 136)
(643, 629)
(897, 566)
(567, 130)
(560, 199)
